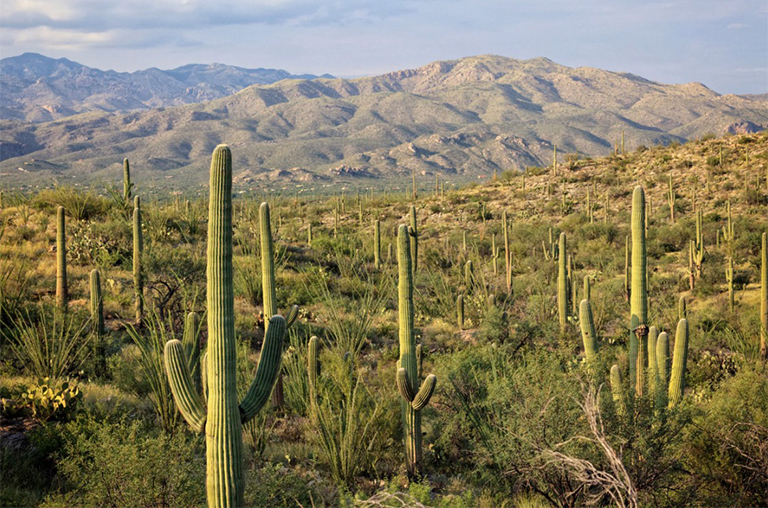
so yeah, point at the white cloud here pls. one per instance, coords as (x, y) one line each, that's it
(737, 26)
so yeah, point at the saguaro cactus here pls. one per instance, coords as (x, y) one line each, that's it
(764, 298)
(638, 320)
(408, 381)
(97, 306)
(671, 200)
(469, 275)
(224, 417)
(312, 370)
(127, 185)
(507, 252)
(191, 343)
(677, 380)
(377, 244)
(653, 370)
(617, 391)
(729, 279)
(562, 284)
(460, 311)
(62, 293)
(413, 231)
(662, 369)
(588, 334)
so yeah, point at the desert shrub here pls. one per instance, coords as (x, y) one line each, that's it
(80, 205)
(128, 464)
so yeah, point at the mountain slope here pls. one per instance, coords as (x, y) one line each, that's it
(37, 88)
(464, 118)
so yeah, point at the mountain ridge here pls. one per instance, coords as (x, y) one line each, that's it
(37, 88)
(462, 119)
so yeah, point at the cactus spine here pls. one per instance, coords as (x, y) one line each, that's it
(764, 297)
(638, 321)
(224, 418)
(377, 244)
(588, 334)
(562, 284)
(127, 185)
(138, 276)
(677, 380)
(408, 379)
(97, 306)
(62, 293)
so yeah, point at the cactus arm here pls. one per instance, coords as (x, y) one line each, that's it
(184, 393)
(291, 316)
(269, 368)
(403, 386)
(192, 348)
(425, 393)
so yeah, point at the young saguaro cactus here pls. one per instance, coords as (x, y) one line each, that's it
(408, 378)
(562, 284)
(224, 417)
(460, 311)
(638, 320)
(138, 275)
(588, 334)
(62, 293)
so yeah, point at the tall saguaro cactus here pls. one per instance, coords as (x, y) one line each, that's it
(507, 252)
(408, 378)
(562, 284)
(377, 244)
(638, 320)
(224, 417)
(62, 293)
(138, 247)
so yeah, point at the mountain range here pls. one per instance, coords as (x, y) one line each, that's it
(36, 88)
(462, 119)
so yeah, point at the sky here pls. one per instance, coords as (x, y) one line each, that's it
(721, 43)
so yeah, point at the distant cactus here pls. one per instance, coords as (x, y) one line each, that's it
(62, 293)
(562, 284)
(313, 368)
(677, 379)
(460, 311)
(413, 232)
(682, 308)
(469, 275)
(671, 199)
(377, 244)
(224, 418)
(127, 185)
(506, 226)
(729, 279)
(138, 275)
(414, 393)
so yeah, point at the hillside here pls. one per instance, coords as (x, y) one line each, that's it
(36, 88)
(461, 119)
(521, 401)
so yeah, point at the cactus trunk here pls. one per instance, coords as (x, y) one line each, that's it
(62, 293)
(677, 379)
(638, 321)
(562, 284)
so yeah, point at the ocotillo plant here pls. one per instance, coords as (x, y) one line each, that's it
(507, 252)
(62, 293)
(413, 231)
(764, 297)
(224, 417)
(97, 304)
(377, 244)
(127, 185)
(138, 275)
(677, 379)
(638, 320)
(408, 379)
(588, 334)
(562, 284)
